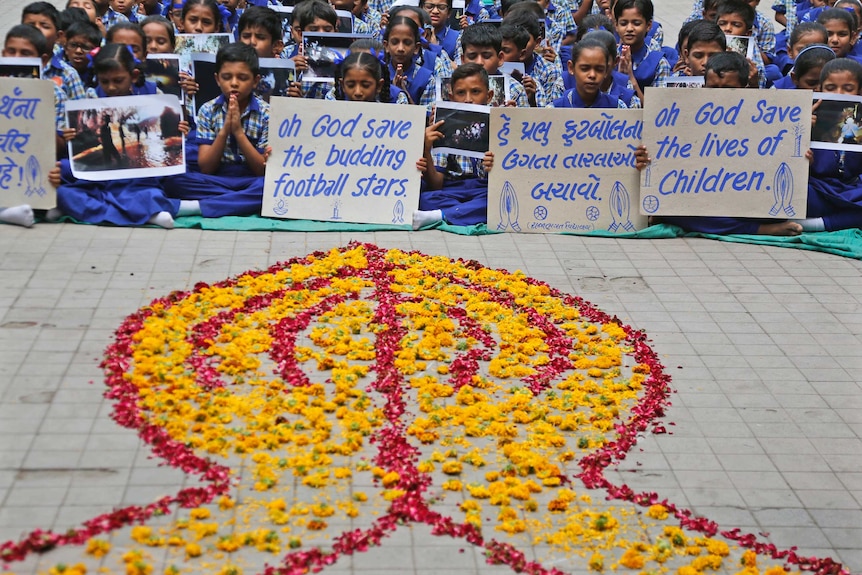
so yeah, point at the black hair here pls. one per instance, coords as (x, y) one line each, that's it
(706, 32)
(424, 17)
(481, 35)
(168, 25)
(804, 29)
(723, 63)
(422, 3)
(842, 65)
(857, 5)
(645, 7)
(30, 34)
(710, 5)
(368, 62)
(603, 36)
(403, 21)
(738, 7)
(71, 15)
(238, 52)
(810, 57)
(366, 45)
(525, 20)
(467, 70)
(517, 35)
(86, 29)
(131, 26)
(591, 43)
(531, 8)
(211, 4)
(261, 17)
(114, 56)
(684, 31)
(594, 23)
(839, 14)
(506, 5)
(308, 11)
(43, 9)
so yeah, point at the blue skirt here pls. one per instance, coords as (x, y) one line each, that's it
(463, 202)
(117, 202)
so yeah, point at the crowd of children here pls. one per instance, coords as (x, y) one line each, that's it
(574, 54)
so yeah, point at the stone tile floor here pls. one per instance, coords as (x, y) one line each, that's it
(763, 345)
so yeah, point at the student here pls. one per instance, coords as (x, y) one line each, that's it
(201, 17)
(159, 34)
(232, 136)
(724, 70)
(805, 74)
(128, 8)
(23, 41)
(45, 18)
(107, 15)
(455, 188)
(309, 16)
(130, 202)
(515, 39)
(358, 25)
(547, 74)
(841, 28)
(389, 94)
(633, 19)
(362, 78)
(90, 9)
(679, 69)
(590, 65)
(81, 38)
(402, 43)
(704, 40)
(432, 56)
(131, 35)
(444, 35)
(260, 28)
(804, 34)
(736, 18)
(483, 45)
(616, 84)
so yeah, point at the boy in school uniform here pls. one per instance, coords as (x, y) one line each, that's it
(23, 41)
(736, 18)
(232, 137)
(81, 37)
(547, 74)
(45, 18)
(260, 28)
(108, 16)
(704, 40)
(309, 16)
(355, 7)
(515, 40)
(455, 188)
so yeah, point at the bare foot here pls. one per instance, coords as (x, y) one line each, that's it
(786, 228)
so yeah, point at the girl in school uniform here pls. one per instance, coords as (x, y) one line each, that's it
(129, 202)
(362, 77)
(402, 41)
(590, 65)
(805, 74)
(648, 67)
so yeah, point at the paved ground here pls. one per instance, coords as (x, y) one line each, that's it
(762, 343)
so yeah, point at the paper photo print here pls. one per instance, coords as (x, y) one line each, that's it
(838, 124)
(496, 83)
(276, 76)
(324, 52)
(164, 71)
(685, 82)
(742, 45)
(21, 68)
(464, 129)
(188, 44)
(126, 137)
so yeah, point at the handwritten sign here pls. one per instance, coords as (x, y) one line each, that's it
(564, 170)
(27, 143)
(726, 152)
(343, 161)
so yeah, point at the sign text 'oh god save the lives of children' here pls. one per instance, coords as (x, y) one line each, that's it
(343, 161)
(726, 152)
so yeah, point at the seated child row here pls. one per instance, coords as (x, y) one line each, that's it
(232, 132)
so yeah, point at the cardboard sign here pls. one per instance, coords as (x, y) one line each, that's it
(564, 170)
(343, 161)
(726, 152)
(27, 143)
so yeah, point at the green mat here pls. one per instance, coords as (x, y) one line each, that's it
(845, 243)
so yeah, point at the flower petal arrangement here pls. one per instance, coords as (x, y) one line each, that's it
(322, 404)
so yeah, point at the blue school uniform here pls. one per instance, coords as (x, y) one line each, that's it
(121, 202)
(571, 99)
(448, 39)
(418, 80)
(785, 83)
(234, 190)
(651, 68)
(464, 196)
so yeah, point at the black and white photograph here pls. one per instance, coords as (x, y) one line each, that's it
(21, 68)
(516, 70)
(685, 82)
(323, 52)
(838, 122)
(742, 45)
(126, 137)
(188, 44)
(286, 14)
(495, 83)
(464, 128)
(164, 71)
(204, 68)
(276, 76)
(345, 22)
